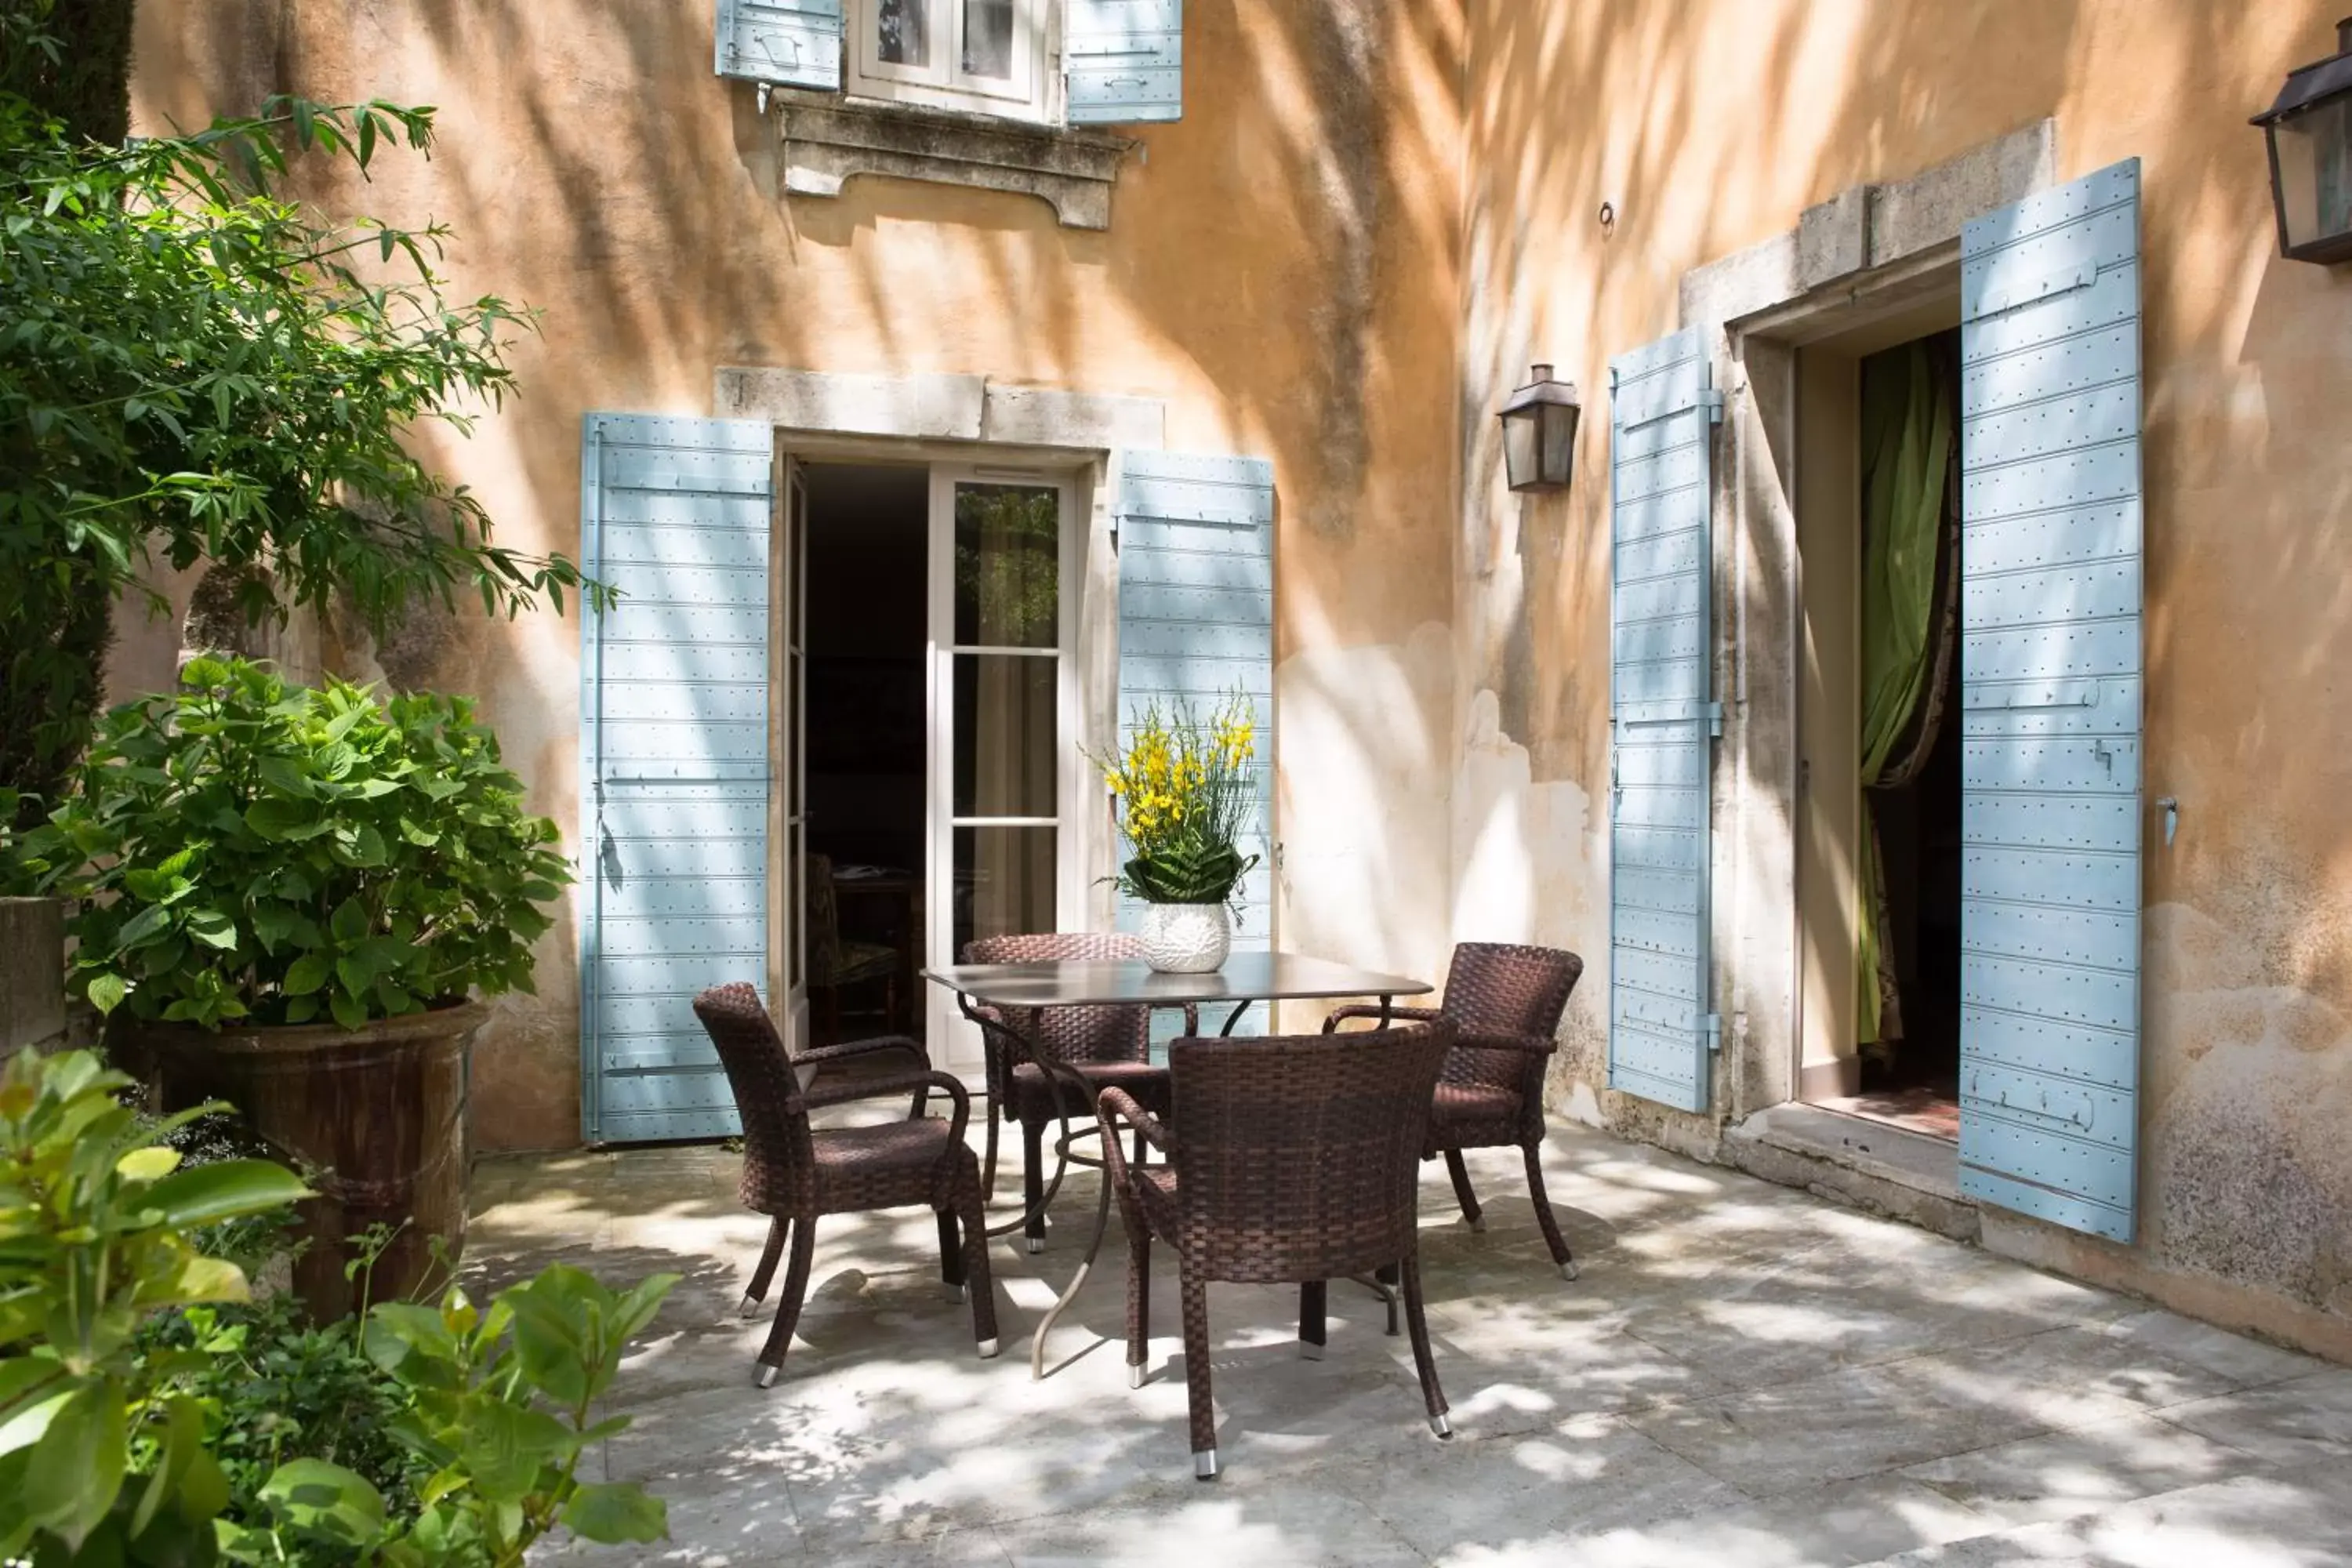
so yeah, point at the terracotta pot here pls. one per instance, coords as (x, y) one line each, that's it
(375, 1116)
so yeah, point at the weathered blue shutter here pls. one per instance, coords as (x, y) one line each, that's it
(1196, 620)
(1123, 60)
(794, 42)
(673, 763)
(2049, 571)
(1663, 718)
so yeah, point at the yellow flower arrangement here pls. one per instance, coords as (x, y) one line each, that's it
(1185, 790)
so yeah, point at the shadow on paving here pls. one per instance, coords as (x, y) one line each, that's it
(1743, 1375)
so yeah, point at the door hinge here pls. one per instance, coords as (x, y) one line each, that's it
(1712, 1024)
(1712, 401)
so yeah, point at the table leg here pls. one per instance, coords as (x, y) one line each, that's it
(1311, 1311)
(1077, 1281)
(1235, 1018)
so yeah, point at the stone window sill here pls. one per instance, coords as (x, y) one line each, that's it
(827, 139)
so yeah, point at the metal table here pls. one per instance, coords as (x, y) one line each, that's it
(1017, 989)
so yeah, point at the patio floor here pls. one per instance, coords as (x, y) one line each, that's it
(1745, 1374)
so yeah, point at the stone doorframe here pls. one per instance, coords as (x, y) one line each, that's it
(975, 421)
(1870, 254)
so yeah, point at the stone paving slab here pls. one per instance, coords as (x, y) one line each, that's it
(1744, 1374)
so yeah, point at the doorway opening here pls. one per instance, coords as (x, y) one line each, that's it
(867, 737)
(1880, 721)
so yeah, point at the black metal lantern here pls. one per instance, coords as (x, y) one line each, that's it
(1539, 433)
(2310, 133)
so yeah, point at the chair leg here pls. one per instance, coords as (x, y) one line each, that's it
(1432, 1395)
(1142, 1149)
(1462, 1193)
(756, 1291)
(1033, 1185)
(976, 1280)
(788, 1311)
(1385, 1277)
(1138, 1300)
(988, 1158)
(1312, 1332)
(1544, 1218)
(1201, 1402)
(950, 1253)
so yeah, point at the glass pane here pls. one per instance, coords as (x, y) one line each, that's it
(1008, 540)
(1003, 883)
(988, 40)
(902, 32)
(1004, 711)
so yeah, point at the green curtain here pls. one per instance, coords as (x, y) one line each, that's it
(1906, 443)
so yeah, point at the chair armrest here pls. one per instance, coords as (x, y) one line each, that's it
(850, 1050)
(1373, 1011)
(893, 1083)
(1529, 1045)
(1112, 1107)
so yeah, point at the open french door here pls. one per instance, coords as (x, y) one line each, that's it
(787, 757)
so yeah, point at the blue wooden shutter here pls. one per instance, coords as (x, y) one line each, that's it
(2050, 565)
(1123, 60)
(794, 43)
(673, 763)
(1196, 620)
(1663, 719)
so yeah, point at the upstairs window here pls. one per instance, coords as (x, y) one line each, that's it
(988, 55)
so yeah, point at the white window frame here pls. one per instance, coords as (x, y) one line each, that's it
(1032, 95)
(954, 1042)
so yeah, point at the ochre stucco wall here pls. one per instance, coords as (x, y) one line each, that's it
(1279, 270)
(1710, 128)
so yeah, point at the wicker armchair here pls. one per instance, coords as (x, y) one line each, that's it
(795, 1173)
(1506, 1002)
(1291, 1159)
(1105, 1047)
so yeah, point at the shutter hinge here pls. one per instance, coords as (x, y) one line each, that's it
(1712, 1024)
(1712, 401)
(1714, 718)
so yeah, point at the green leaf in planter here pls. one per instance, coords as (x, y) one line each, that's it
(424, 839)
(506, 1446)
(307, 974)
(367, 846)
(281, 774)
(212, 928)
(349, 1010)
(615, 1512)
(148, 923)
(350, 920)
(321, 1502)
(278, 820)
(225, 1189)
(105, 992)
(302, 1010)
(76, 1469)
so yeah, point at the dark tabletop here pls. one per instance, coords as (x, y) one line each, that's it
(1245, 978)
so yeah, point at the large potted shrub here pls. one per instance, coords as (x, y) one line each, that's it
(288, 898)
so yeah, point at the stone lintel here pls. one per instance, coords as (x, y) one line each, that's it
(827, 141)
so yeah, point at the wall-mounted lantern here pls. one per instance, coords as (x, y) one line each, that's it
(2310, 133)
(1539, 433)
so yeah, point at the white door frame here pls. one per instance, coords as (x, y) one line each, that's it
(955, 1044)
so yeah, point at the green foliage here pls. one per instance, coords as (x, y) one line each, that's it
(143, 1396)
(248, 850)
(1186, 793)
(102, 1449)
(74, 64)
(501, 1415)
(195, 367)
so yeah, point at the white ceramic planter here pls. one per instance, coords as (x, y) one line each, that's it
(1186, 938)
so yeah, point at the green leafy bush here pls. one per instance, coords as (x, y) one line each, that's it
(135, 1414)
(250, 850)
(99, 1439)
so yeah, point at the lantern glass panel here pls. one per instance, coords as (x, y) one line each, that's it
(1558, 442)
(1520, 445)
(2314, 173)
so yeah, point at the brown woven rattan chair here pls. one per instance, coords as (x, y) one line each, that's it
(1289, 1160)
(1106, 1047)
(1506, 1002)
(795, 1173)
